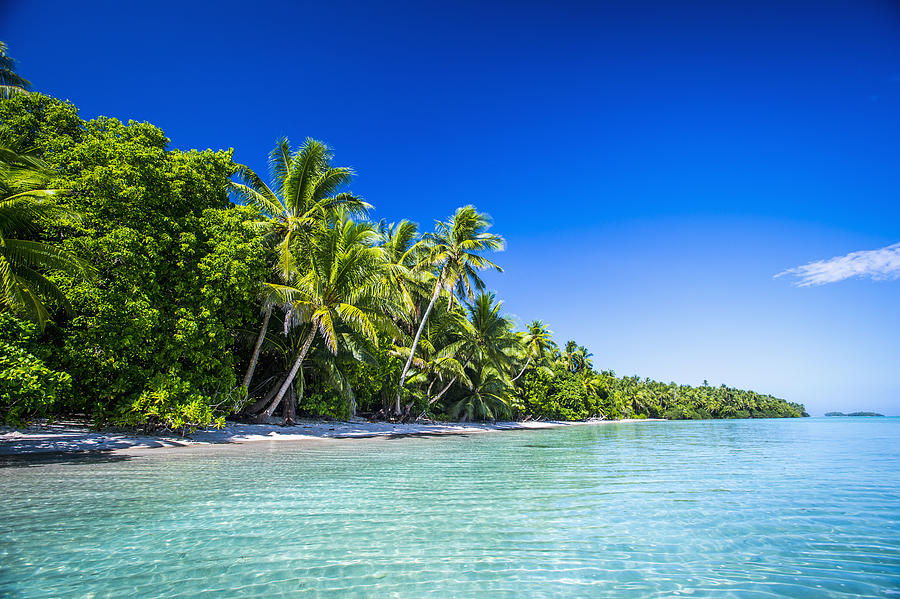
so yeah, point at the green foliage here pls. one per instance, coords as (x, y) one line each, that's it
(374, 384)
(683, 402)
(323, 403)
(28, 387)
(170, 403)
(561, 395)
(375, 317)
(179, 268)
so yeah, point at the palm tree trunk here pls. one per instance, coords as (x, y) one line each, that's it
(412, 350)
(290, 408)
(262, 403)
(438, 396)
(527, 362)
(444, 390)
(448, 385)
(259, 341)
(267, 413)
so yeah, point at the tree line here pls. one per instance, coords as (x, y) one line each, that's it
(146, 286)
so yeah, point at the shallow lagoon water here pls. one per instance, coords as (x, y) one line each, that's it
(754, 508)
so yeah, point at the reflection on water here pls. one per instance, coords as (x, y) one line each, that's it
(799, 508)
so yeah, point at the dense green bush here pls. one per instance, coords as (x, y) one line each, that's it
(561, 395)
(171, 403)
(323, 403)
(179, 268)
(28, 387)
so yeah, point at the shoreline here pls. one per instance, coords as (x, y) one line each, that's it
(71, 438)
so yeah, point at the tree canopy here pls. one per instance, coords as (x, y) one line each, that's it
(136, 296)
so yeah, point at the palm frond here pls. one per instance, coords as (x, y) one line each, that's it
(41, 255)
(255, 193)
(41, 287)
(306, 165)
(357, 320)
(326, 328)
(280, 163)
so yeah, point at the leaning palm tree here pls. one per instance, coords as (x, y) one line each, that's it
(24, 207)
(484, 339)
(339, 285)
(306, 190)
(433, 366)
(11, 83)
(567, 356)
(455, 254)
(538, 343)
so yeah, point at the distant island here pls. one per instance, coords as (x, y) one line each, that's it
(853, 414)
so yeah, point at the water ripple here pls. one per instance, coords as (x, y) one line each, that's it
(800, 508)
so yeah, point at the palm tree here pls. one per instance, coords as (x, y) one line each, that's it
(307, 191)
(485, 401)
(24, 207)
(487, 341)
(567, 356)
(454, 251)
(538, 342)
(433, 366)
(583, 357)
(403, 254)
(490, 335)
(10, 82)
(339, 286)
(576, 357)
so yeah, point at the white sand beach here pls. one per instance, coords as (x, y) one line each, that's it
(72, 437)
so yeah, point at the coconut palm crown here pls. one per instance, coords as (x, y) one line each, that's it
(538, 344)
(306, 191)
(455, 254)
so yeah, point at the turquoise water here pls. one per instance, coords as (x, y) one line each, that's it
(764, 508)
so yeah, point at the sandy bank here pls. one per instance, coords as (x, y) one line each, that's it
(66, 437)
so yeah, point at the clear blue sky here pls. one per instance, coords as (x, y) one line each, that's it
(651, 164)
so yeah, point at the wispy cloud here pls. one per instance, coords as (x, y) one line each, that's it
(880, 265)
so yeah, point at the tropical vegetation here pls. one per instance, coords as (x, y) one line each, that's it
(147, 286)
(11, 83)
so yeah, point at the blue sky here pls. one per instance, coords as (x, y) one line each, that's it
(652, 165)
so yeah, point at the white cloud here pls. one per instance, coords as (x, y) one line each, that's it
(880, 265)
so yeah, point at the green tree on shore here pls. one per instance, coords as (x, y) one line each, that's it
(334, 284)
(307, 191)
(538, 343)
(454, 252)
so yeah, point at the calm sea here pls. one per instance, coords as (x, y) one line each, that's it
(754, 508)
